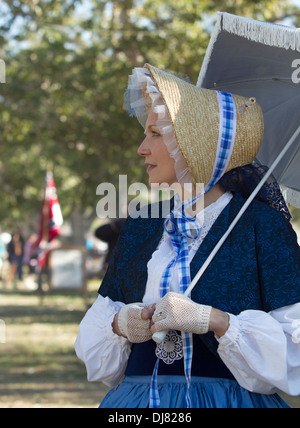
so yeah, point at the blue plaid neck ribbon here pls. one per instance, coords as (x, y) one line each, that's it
(181, 227)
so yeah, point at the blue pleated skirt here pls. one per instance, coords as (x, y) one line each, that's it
(210, 393)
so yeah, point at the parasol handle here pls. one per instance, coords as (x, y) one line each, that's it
(160, 336)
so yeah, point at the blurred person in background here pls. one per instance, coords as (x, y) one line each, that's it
(109, 233)
(2, 253)
(15, 251)
(30, 252)
(30, 260)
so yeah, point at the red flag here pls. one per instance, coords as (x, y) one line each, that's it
(51, 218)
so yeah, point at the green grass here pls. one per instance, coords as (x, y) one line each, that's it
(38, 365)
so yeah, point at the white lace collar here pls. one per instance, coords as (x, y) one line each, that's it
(205, 217)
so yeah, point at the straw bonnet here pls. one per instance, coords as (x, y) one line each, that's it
(195, 116)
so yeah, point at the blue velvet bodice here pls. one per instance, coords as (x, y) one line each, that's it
(257, 268)
(205, 364)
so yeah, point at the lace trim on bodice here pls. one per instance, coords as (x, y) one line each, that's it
(206, 219)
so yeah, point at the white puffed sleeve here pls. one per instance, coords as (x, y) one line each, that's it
(104, 353)
(262, 350)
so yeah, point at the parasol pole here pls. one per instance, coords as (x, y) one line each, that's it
(160, 336)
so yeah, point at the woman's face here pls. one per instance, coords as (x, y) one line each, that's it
(160, 165)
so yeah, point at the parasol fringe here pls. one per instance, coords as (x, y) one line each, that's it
(262, 32)
(292, 197)
(266, 33)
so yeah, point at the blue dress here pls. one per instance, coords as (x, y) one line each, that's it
(257, 268)
(206, 393)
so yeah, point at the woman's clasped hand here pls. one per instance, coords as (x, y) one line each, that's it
(138, 322)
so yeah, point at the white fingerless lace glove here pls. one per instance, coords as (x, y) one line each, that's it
(177, 312)
(131, 324)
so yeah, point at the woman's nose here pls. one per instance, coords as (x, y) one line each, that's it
(144, 150)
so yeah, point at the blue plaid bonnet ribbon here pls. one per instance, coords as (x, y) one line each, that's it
(180, 227)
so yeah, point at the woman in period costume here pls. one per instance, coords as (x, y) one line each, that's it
(232, 342)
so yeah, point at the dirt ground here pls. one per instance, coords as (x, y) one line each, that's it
(38, 365)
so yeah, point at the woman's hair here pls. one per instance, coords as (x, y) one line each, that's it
(246, 178)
